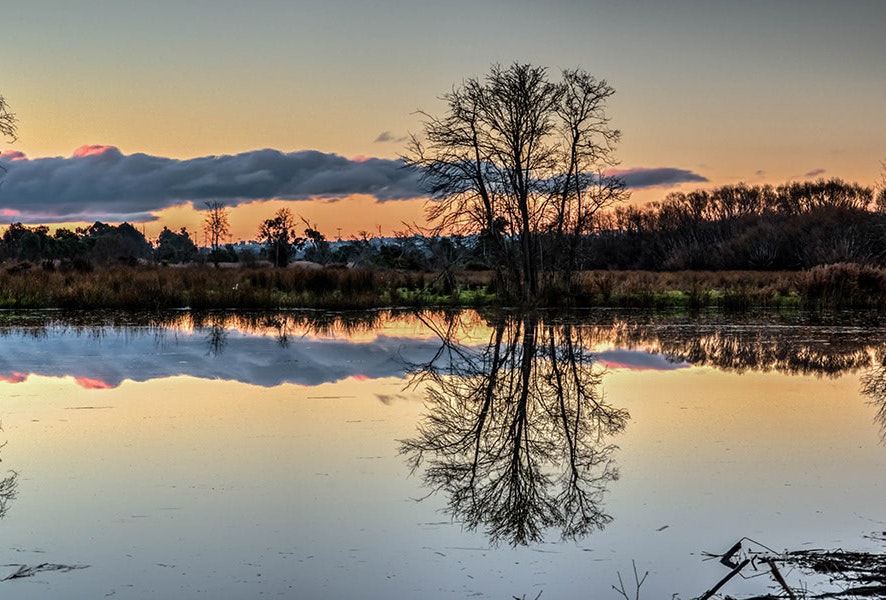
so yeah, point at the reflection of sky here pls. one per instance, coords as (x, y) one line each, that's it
(106, 360)
(638, 360)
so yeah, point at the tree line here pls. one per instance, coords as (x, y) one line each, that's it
(281, 238)
(793, 226)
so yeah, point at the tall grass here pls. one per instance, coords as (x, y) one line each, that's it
(204, 287)
(844, 285)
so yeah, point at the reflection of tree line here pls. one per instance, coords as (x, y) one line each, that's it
(517, 433)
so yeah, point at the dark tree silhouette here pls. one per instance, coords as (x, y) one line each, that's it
(278, 235)
(175, 247)
(518, 157)
(516, 434)
(215, 228)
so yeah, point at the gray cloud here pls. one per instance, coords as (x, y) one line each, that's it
(100, 182)
(815, 173)
(664, 176)
(387, 136)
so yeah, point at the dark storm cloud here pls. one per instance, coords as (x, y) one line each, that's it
(664, 176)
(100, 182)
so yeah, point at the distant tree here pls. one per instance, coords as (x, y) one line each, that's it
(175, 247)
(35, 244)
(521, 158)
(278, 236)
(215, 228)
(110, 244)
(318, 249)
(9, 244)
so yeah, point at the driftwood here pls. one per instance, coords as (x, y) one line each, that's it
(28, 571)
(735, 571)
(857, 574)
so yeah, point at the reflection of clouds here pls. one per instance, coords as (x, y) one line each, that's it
(100, 361)
(102, 358)
(637, 360)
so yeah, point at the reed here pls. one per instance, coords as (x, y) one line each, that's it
(150, 287)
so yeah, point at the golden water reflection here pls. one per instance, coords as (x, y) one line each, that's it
(277, 435)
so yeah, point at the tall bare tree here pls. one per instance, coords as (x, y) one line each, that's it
(216, 227)
(516, 158)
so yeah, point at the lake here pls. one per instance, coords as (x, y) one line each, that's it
(431, 455)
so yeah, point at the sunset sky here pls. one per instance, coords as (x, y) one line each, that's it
(141, 111)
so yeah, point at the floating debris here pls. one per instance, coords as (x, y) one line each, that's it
(28, 571)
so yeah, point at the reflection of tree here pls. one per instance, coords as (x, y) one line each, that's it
(516, 432)
(8, 487)
(873, 385)
(216, 338)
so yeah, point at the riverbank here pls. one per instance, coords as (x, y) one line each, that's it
(152, 287)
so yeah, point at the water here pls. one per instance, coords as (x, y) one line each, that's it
(430, 456)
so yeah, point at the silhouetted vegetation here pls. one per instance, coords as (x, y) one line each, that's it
(813, 244)
(518, 160)
(795, 226)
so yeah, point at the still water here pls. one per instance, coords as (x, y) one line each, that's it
(430, 455)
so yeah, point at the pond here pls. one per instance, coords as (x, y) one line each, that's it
(431, 455)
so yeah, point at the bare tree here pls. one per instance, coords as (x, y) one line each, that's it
(8, 122)
(516, 157)
(215, 227)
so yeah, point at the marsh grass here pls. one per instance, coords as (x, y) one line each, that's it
(151, 287)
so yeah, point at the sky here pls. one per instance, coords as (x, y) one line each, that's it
(145, 111)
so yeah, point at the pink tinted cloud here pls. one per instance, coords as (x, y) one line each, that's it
(93, 150)
(93, 384)
(14, 377)
(12, 155)
(9, 212)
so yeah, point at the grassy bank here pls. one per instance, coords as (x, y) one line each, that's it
(205, 287)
